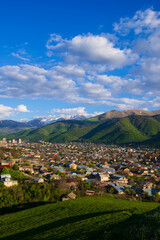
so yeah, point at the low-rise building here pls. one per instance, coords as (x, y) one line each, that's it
(69, 196)
(6, 179)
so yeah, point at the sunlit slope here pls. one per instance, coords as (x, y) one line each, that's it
(84, 218)
(131, 129)
(116, 131)
(63, 131)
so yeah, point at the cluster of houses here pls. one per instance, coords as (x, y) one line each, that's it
(106, 166)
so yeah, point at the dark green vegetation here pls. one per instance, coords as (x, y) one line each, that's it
(23, 195)
(16, 175)
(131, 129)
(84, 218)
(10, 126)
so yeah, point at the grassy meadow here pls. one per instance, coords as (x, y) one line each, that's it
(84, 218)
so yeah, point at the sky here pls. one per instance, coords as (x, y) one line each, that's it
(60, 58)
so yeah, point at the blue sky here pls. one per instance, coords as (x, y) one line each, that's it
(63, 58)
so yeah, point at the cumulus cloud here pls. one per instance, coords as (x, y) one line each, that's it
(25, 81)
(145, 24)
(94, 90)
(143, 21)
(71, 70)
(96, 49)
(22, 108)
(91, 69)
(35, 82)
(6, 111)
(149, 69)
(114, 83)
(150, 45)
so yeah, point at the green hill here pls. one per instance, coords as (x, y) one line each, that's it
(84, 218)
(131, 129)
(63, 131)
(146, 125)
(116, 131)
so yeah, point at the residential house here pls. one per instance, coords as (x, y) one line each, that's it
(102, 177)
(6, 179)
(71, 165)
(69, 196)
(120, 179)
(38, 180)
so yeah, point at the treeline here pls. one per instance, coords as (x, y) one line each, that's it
(27, 194)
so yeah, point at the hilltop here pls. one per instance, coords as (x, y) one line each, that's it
(121, 114)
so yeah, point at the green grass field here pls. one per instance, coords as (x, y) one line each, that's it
(84, 218)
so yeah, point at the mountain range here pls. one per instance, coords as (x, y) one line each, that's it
(11, 126)
(115, 127)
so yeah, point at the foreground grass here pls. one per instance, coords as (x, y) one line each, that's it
(84, 218)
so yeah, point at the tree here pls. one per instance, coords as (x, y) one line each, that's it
(5, 170)
(156, 197)
(62, 184)
(111, 190)
(15, 167)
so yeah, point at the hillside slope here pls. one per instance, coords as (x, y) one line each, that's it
(84, 218)
(63, 131)
(131, 129)
(10, 126)
(116, 131)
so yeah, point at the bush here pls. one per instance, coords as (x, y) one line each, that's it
(15, 167)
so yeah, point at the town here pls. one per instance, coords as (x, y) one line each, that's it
(106, 169)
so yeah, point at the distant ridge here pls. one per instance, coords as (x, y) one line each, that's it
(122, 130)
(120, 114)
(11, 126)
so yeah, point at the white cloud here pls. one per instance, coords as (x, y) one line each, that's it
(22, 108)
(84, 73)
(94, 90)
(150, 45)
(27, 81)
(6, 111)
(155, 102)
(126, 103)
(71, 70)
(56, 39)
(97, 49)
(143, 21)
(31, 81)
(19, 56)
(69, 112)
(146, 24)
(113, 82)
(149, 72)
